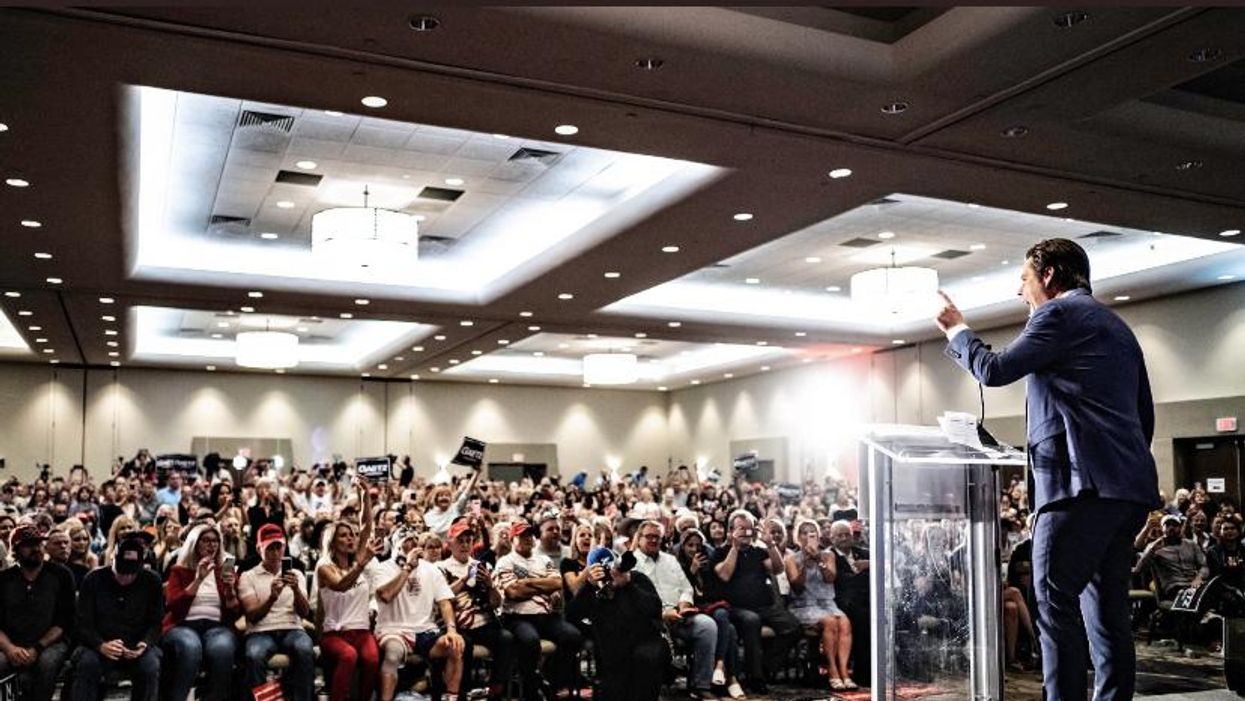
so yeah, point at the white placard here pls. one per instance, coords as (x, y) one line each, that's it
(1215, 485)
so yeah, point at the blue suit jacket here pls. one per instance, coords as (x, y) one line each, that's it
(1090, 413)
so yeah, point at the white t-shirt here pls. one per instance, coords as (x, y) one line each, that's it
(257, 582)
(350, 609)
(206, 604)
(646, 510)
(514, 567)
(413, 610)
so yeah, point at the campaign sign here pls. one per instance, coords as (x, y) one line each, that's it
(186, 464)
(745, 463)
(789, 493)
(470, 454)
(377, 470)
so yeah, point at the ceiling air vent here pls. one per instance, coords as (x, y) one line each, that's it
(429, 245)
(294, 178)
(535, 154)
(441, 194)
(220, 225)
(1100, 235)
(718, 266)
(265, 120)
(950, 254)
(884, 200)
(860, 243)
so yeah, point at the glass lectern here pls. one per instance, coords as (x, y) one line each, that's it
(931, 510)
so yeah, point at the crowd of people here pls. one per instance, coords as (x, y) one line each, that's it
(195, 580)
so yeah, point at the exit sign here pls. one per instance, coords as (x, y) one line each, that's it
(1225, 424)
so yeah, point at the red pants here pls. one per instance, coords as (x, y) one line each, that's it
(348, 650)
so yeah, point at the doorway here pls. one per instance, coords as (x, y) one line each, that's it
(1215, 461)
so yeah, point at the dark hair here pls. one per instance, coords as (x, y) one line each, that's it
(1066, 259)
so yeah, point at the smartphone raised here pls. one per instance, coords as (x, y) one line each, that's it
(287, 564)
(229, 564)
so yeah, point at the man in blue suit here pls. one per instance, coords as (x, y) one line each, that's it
(1090, 422)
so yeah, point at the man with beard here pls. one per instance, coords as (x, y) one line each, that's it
(36, 608)
(475, 603)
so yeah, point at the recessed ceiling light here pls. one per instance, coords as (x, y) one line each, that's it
(764, 368)
(49, 351)
(367, 374)
(1186, 166)
(333, 113)
(762, 343)
(13, 294)
(374, 101)
(439, 337)
(398, 359)
(108, 317)
(1005, 262)
(115, 363)
(886, 235)
(503, 341)
(307, 165)
(752, 281)
(641, 334)
(424, 23)
(269, 236)
(211, 368)
(840, 173)
(382, 366)
(834, 288)
(1122, 298)
(16, 182)
(525, 314)
(414, 377)
(973, 205)
(3, 127)
(217, 335)
(43, 256)
(362, 302)
(591, 335)
(1055, 206)
(466, 322)
(280, 371)
(346, 315)
(41, 340)
(898, 341)
(222, 324)
(477, 352)
(1014, 132)
(538, 354)
(1227, 277)
(302, 329)
(1230, 232)
(612, 275)
(114, 354)
(112, 344)
(649, 63)
(31, 223)
(662, 388)
(566, 130)
(435, 369)
(106, 300)
(812, 259)
(454, 181)
(801, 334)
(742, 216)
(695, 382)
(533, 328)
(669, 249)
(674, 324)
(54, 361)
(255, 294)
(728, 375)
(977, 247)
(417, 349)
(285, 204)
(501, 136)
(493, 380)
(564, 345)
(895, 107)
(110, 332)
(1070, 19)
(54, 281)
(24, 312)
(246, 310)
(34, 328)
(566, 295)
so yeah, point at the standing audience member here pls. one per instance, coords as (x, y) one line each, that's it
(275, 603)
(201, 607)
(118, 624)
(344, 576)
(36, 614)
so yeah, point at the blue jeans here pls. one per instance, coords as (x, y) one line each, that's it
(90, 668)
(39, 678)
(299, 678)
(186, 647)
(711, 640)
(1082, 564)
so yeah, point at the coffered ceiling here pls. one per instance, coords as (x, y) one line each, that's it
(692, 205)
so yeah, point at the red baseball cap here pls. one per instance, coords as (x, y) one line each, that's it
(24, 534)
(459, 528)
(520, 528)
(269, 533)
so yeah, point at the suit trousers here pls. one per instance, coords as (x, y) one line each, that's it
(1082, 564)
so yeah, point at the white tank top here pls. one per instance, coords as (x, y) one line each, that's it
(206, 604)
(348, 610)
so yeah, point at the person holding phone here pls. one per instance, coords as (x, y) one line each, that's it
(274, 600)
(118, 624)
(475, 604)
(201, 607)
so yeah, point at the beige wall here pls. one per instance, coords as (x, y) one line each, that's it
(52, 416)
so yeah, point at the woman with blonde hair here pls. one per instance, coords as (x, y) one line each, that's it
(812, 572)
(121, 525)
(345, 594)
(201, 607)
